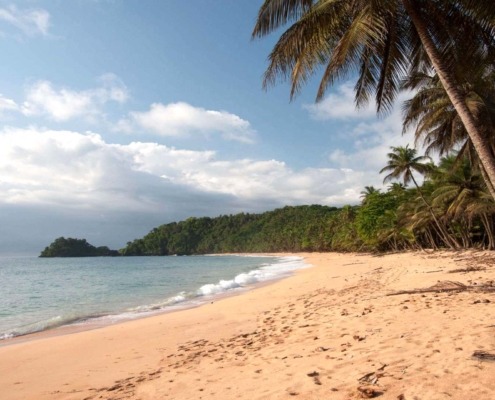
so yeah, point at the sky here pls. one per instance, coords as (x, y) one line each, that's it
(117, 116)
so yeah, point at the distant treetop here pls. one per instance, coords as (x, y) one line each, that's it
(71, 247)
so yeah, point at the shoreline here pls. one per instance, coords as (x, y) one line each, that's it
(100, 321)
(314, 334)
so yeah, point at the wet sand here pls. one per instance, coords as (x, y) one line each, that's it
(333, 331)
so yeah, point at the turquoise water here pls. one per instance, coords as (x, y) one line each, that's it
(42, 293)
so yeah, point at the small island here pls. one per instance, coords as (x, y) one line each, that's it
(70, 247)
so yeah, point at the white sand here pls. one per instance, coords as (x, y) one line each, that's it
(311, 336)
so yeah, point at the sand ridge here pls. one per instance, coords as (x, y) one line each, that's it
(334, 331)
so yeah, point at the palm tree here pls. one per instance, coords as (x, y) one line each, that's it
(438, 126)
(402, 162)
(385, 41)
(462, 193)
(368, 191)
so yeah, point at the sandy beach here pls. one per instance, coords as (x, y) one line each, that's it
(337, 330)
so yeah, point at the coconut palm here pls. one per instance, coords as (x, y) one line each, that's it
(368, 191)
(384, 41)
(462, 193)
(438, 126)
(402, 163)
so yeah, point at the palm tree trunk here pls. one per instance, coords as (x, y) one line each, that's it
(489, 185)
(430, 238)
(448, 240)
(472, 126)
(488, 228)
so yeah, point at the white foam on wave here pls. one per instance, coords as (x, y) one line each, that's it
(281, 267)
(267, 272)
(37, 327)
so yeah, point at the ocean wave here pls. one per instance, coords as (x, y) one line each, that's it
(44, 325)
(267, 272)
(281, 267)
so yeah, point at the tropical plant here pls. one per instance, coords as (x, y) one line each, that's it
(461, 193)
(403, 161)
(438, 126)
(385, 41)
(368, 191)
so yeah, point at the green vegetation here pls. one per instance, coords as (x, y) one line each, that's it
(444, 46)
(443, 52)
(450, 209)
(70, 247)
(303, 228)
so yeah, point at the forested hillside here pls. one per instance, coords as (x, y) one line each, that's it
(70, 247)
(451, 209)
(302, 228)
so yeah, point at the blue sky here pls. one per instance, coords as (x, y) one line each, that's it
(118, 116)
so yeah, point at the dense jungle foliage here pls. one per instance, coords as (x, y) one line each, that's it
(450, 209)
(406, 46)
(70, 247)
(303, 228)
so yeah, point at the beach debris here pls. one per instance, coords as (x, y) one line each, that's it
(369, 392)
(359, 338)
(401, 397)
(316, 377)
(486, 301)
(366, 310)
(344, 312)
(448, 286)
(372, 377)
(467, 270)
(483, 355)
(369, 378)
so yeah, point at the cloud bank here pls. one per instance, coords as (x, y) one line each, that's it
(77, 184)
(182, 119)
(75, 170)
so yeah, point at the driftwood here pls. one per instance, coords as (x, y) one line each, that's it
(483, 355)
(372, 377)
(466, 270)
(448, 286)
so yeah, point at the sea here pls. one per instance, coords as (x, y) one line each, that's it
(38, 294)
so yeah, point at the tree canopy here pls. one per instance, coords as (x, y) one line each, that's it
(71, 247)
(387, 43)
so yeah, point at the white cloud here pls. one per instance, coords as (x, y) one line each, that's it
(30, 21)
(62, 104)
(369, 137)
(7, 105)
(372, 139)
(182, 119)
(340, 105)
(81, 171)
(55, 183)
